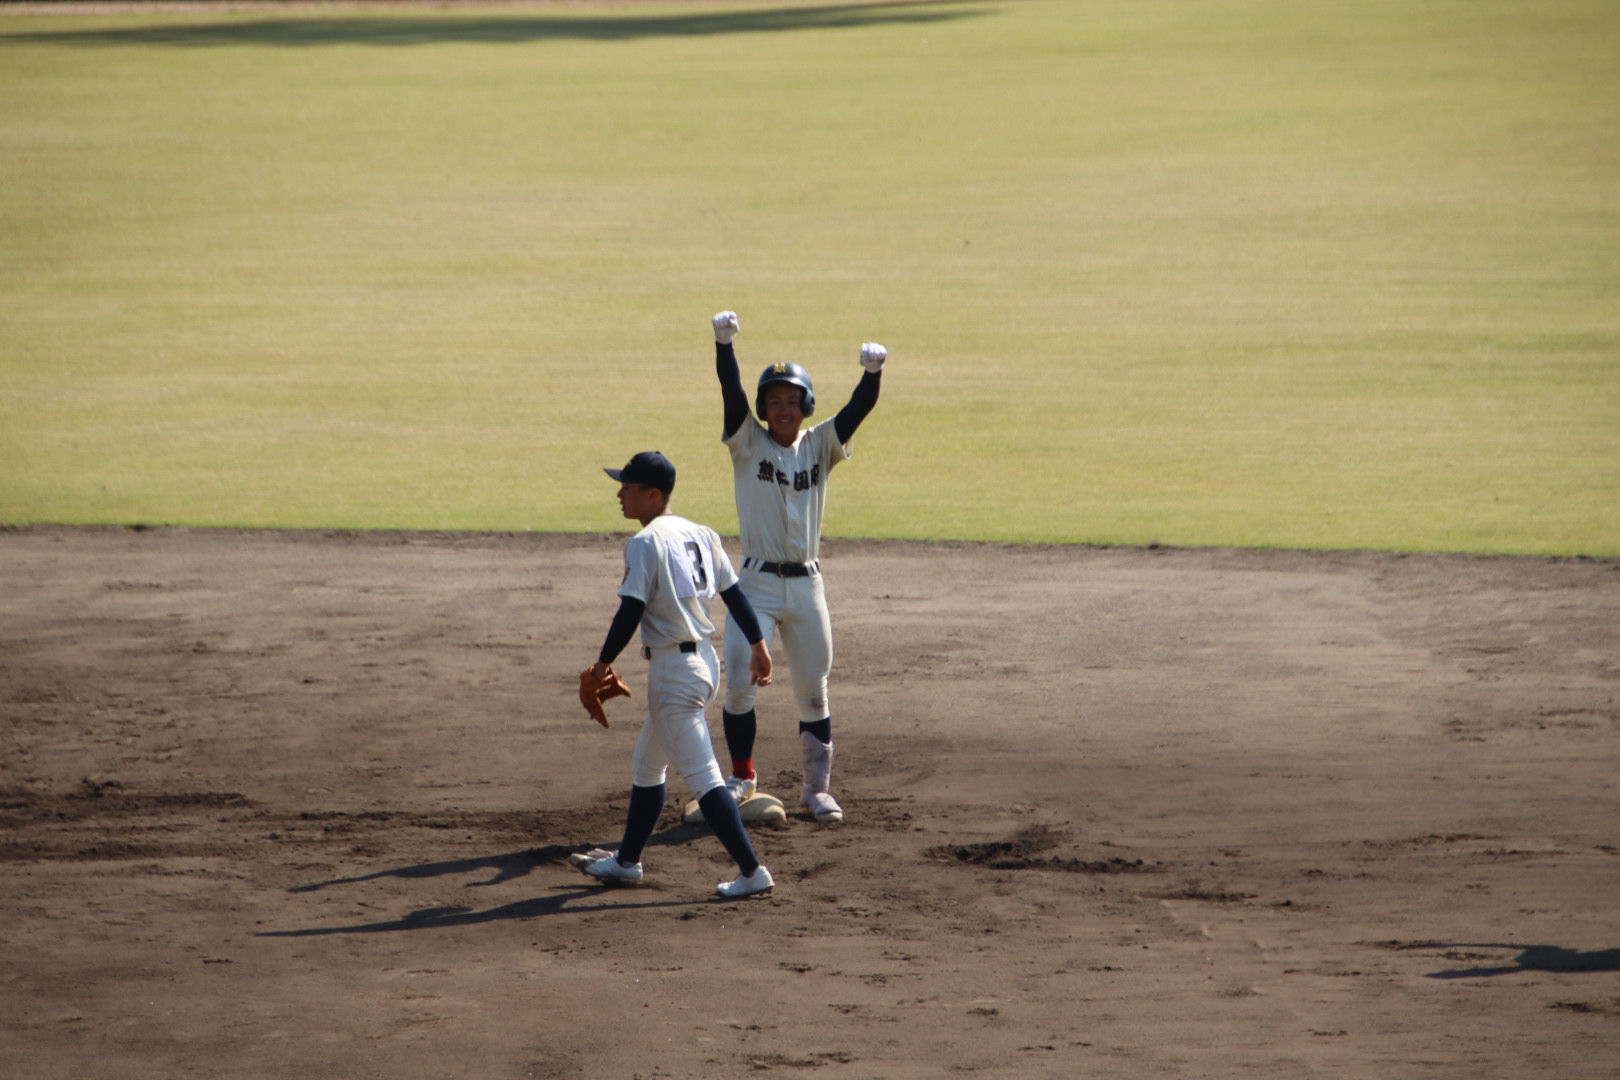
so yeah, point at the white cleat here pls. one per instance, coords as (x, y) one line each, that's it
(741, 790)
(758, 883)
(823, 806)
(606, 868)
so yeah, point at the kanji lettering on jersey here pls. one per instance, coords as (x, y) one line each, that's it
(802, 481)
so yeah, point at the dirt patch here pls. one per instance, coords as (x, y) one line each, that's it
(300, 804)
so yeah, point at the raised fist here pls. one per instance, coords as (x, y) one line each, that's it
(725, 327)
(872, 356)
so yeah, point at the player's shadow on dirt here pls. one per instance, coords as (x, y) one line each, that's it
(1551, 958)
(564, 903)
(395, 29)
(503, 868)
(506, 867)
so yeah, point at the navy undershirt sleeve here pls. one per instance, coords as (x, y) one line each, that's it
(731, 387)
(736, 602)
(623, 628)
(860, 403)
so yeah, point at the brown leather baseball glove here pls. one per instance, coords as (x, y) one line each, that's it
(593, 692)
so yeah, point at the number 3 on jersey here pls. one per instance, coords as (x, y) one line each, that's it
(691, 568)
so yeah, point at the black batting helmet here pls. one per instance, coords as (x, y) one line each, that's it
(792, 374)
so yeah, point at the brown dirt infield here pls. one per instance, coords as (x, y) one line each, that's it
(299, 805)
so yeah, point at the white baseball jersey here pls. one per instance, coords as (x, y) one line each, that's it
(674, 567)
(782, 490)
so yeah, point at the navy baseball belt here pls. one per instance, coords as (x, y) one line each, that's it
(685, 646)
(783, 569)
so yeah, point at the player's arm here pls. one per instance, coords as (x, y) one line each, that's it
(865, 397)
(725, 366)
(742, 612)
(621, 631)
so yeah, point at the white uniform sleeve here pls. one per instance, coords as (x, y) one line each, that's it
(725, 576)
(831, 450)
(640, 568)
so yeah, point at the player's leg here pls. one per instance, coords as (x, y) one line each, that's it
(648, 770)
(674, 693)
(737, 717)
(646, 804)
(721, 814)
(740, 730)
(676, 702)
(807, 643)
(686, 737)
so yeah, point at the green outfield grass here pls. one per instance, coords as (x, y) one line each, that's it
(1197, 272)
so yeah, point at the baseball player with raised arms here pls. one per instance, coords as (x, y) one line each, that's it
(780, 473)
(672, 567)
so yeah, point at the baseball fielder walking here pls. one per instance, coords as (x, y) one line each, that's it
(780, 473)
(672, 567)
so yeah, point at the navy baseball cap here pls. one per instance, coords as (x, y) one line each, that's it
(648, 468)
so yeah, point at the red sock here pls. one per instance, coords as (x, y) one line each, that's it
(743, 769)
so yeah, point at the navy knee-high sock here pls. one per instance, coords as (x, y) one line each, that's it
(646, 803)
(740, 729)
(821, 729)
(720, 811)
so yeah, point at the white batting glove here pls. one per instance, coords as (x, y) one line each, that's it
(872, 356)
(725, 327)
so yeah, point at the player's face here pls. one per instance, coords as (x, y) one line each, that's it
(640, 502)
(784, 413)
